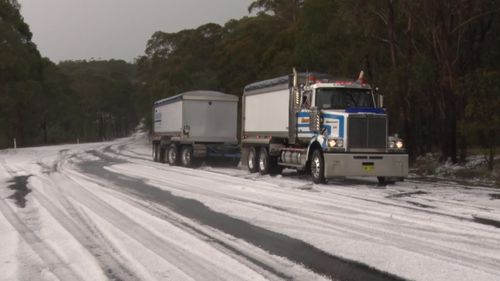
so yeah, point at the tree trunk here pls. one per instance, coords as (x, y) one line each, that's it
(449, 130)
(19, 127)
(101, 128)
(44, 131)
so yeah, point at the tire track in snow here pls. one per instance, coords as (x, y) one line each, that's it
(246, 254)
(366, 232)
(278, 244)
(88, 236)
(193, 265)
(176, 258)
(111, 267)
(49, 257)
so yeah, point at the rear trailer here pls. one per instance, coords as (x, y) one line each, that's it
(191, 126)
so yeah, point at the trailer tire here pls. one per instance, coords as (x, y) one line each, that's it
(156, 156)
(252, 160)
(163, 152)
(263, 161)
(173, 155)
(187, 156)
(318, 167)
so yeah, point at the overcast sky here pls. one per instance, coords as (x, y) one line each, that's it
(85, 29)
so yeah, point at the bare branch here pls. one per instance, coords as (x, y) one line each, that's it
(474, 18)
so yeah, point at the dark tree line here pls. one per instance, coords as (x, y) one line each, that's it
(435, 60)
(44, 103)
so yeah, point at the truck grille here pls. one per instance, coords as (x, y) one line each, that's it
(367, 131)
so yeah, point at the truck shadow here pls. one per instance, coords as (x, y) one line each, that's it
(339, 181)
(221, 162)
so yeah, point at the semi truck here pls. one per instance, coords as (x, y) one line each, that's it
(315, 123)
(193, 125)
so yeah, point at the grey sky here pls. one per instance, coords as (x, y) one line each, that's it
(84, 29)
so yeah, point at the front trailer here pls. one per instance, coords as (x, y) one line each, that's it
(330, 128)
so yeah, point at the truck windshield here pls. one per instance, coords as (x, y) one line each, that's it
(342, 98)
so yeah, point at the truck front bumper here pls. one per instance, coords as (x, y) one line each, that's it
(365, 164)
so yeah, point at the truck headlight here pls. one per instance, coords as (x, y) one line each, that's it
(399, 144)
(332, 143)
(392, 144)
(395, 143)
(335, 143)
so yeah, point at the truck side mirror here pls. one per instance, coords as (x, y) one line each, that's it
(380, 101)
(379, 97)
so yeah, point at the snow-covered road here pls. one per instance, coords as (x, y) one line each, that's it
(105, 211)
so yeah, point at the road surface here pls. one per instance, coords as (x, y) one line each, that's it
(105, 211)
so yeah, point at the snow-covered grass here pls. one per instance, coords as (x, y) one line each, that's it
(473, 171)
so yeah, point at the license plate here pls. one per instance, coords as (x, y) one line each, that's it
(368, 167)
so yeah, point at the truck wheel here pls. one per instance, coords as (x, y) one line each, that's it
(263, 161)
(187, 156)
(172, 155)
(318, 167)
(385, 180)
(162, 154)
(155, 152)
(252, 160)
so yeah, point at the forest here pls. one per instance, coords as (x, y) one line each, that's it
(435, 61)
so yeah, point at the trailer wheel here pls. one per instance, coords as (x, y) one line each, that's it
(156, 156)
(252, 160)
(187, 156)
(263, 161)
(172, 155)
(318, 167)
(162, 154)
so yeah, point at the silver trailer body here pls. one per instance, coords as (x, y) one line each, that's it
(194, 125)
(197, 116)
(267, 113)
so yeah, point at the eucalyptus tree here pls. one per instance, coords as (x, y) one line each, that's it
(20, 75)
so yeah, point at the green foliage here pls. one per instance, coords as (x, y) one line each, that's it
(103, 98)
(287, 10)
(41, 102)
(20, 77)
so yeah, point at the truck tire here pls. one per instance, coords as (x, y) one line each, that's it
(318, 167)
(187, 156)
(162, 152)
(385, 180)
(263, 161)
(156, 156)
(173, 155)
(252, 160)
